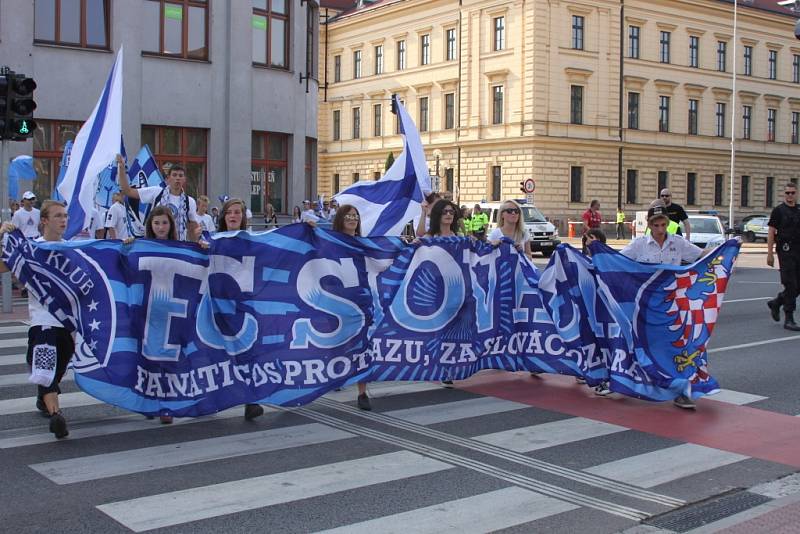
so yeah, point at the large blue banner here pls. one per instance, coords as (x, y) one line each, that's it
(283, 317)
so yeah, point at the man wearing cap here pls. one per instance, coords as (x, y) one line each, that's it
(675, 212)
(27, 217)
(663, 247)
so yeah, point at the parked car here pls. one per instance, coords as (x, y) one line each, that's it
(542, 234)
(756, 228)
(738, 227)
(707, 230)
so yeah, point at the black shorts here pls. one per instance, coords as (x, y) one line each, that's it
(48, 338)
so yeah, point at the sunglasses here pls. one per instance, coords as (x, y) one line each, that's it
(352, 217)
(665, 196)
(790, 192)
(448, 211)
(512, 211)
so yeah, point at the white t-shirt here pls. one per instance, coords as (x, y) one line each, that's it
(497, 234)
(116, 218)
(676, 249)
(27, 222)
(148, 195)
(39, 314)
(207, 222)
(309, 215)
(95, 223)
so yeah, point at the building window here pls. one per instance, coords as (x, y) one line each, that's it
(664, 42)
(720, 119)
(722, 53)
(745, 191)
(270, 156)
(179, 28)
(397, 120)
(771, 124)
(186, 146)
(49, 139)
(795, 127)
(376, 120)
(401, 55)
(336, 184)
(769, 193)
(337, 69)
(497, 104)
(449, 111)
(497, 183)
(356, 64)
(451, 44)
(633, 42)
(81, 23)
(577, 32)
(423, 114)
(499, 42)
(376, 175)
(630, 186)
(448, 178)
(337, 124)
(796, 68)
(425, 49)
(748, 60)
(356, 123)
(663, 114)
(718, 189)
(633, 111)
(576, 104)
(312, 30)
(693, 104)
(694, 51)
(576, 184)
(663, 180)
(747, 116)
(310, 170)
(691, 188)
(270, 32)
(773, 64)
(355, 177)
(379, 59)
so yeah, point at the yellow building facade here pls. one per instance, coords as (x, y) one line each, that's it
(591, 99)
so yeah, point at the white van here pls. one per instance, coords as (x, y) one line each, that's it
(542, 234)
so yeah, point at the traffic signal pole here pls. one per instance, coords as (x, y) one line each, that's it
(5, 278)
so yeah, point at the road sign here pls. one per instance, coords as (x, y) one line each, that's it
(530, 186)
(529, 198)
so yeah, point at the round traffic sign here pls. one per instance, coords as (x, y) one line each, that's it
(530, 185)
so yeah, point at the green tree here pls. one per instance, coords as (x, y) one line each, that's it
(389, 162)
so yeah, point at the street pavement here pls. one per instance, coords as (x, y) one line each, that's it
(500, 452)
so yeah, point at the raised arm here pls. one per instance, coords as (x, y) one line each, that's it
(124, 184)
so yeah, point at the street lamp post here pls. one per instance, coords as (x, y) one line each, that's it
(733, 119)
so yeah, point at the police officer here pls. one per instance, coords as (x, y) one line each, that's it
(784, 229)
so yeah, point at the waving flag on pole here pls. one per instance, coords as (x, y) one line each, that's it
(143, 172)
(388, 204)
(97, 143)
(62, 170)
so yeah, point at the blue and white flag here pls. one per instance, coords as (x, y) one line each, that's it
(97, 143)
(283, 317)
(62, 170)
(20, 168)
(387, 205)
(143, 172)
(107, 183)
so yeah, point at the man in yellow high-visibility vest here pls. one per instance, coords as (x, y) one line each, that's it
(620, 223)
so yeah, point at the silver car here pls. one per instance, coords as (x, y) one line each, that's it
(756, 229)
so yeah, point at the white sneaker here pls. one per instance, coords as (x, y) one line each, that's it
(602, 390)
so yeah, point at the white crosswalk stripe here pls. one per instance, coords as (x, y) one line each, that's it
(28, 404)
(12, 359)
(546, 435)
(175, 508)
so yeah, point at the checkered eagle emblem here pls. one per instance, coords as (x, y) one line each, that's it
(696, 301)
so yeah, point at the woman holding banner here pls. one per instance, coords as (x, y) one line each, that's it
(50, 345)
(348, 221)
(510, 226)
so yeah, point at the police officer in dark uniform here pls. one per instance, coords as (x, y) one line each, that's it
(784, 230)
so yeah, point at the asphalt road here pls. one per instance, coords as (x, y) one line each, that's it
(501, 452)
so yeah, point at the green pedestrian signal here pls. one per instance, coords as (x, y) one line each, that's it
(16, 106)
(23, 129)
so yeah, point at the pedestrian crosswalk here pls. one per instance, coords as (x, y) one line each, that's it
(428, 459)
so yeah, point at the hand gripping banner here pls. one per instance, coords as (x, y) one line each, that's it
(284, 316)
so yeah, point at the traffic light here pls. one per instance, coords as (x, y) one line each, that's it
(17, 106)
(522, 187)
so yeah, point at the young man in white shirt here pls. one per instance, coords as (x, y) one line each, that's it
(663, 247)
(116, 223)
(184, 207)
(26, 219)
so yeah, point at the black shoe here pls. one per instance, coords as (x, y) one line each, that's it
(791, 325)
(42, 407)
(58, 426)
(448, 384)
(774, 310)
(251, 411)
(684, 402)
(363, 402)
